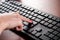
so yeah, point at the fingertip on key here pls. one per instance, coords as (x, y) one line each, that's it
(30, 21)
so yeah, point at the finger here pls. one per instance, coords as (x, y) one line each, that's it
(23, 18)
(20, 26)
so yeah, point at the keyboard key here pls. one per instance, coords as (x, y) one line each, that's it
(42, 22)
(55, 27)
(44, 37)
(42, 13)
(55, 32)
(50, 16)
(2, 7)
(30, 16)
(58, 34)
(38, 29)
(58, 20)
(47, 33)
(25, 27)
(32, 13)
(46, 15)
(58, 24)
(36, 10)
(33, 18)
(35, 14)
(27, 15)
(51, 35)
(28, 7)
(25, 23)
(51, 30)
(23, 13)
(41, 17)
(34, 32)
(50, 25)
(39, 12)
(37, 19)
(23, 9)
(22, 6)
(46, 23)
(5, 9)
(58, 29)
(34, 22)
(50, 21)
(26, 11)
(55, 38)
(38, 34)
(31, 9)
(54, 18)
(46, 19)
(13, 8)
(54, 22)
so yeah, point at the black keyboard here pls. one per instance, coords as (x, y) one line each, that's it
(44, 27)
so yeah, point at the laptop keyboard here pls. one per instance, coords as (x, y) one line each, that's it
(44, 27)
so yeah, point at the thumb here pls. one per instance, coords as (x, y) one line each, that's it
(20, 26)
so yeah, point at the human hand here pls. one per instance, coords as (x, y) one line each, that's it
(12, 20)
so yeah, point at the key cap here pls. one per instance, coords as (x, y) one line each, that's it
(38, 34)
(51, 35)
(55, 38)
(34, 32)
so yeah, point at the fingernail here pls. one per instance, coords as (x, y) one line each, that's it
(30, 21)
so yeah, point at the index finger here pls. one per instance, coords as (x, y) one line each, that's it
(24, 18)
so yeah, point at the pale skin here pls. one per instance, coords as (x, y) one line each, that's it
(12, 20)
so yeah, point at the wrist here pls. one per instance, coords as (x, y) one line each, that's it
(2, 27)
(1, 31)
